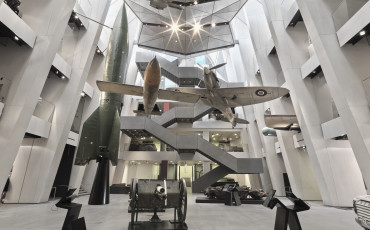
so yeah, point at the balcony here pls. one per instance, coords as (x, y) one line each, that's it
(40, 123)
(13, 27)
(311, 67)
(352, 21)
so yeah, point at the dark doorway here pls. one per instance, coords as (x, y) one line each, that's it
(60, 186)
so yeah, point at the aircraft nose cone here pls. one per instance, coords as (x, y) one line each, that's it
(155, 62)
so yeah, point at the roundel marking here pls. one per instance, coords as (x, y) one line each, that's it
(261, 92)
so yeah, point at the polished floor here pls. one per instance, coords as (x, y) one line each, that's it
(199, 216)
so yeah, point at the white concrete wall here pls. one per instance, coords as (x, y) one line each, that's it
(77, 48)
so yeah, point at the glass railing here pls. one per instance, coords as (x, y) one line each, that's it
(4, 88)
(345, 10)
(44, 110)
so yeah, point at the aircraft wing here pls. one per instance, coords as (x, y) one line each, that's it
(113, 87)
(201, 92)
(242, 96)
(178, 96)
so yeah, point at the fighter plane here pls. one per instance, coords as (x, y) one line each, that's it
(162, 4)
(150, 92)
(223, 99)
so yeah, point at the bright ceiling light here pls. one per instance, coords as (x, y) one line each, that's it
(195, 2)
(362, 33)
(83, 94)
(16, 38)
(213, 24)
(174, 27)
(197, 27)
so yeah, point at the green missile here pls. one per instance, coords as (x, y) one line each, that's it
(101, 131)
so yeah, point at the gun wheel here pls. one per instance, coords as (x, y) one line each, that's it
(183, 200)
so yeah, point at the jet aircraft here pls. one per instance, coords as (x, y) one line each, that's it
(223, 99)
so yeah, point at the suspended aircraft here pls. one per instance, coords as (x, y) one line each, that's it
(223, 99)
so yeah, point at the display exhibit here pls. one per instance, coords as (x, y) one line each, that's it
(222, 99)
(216, 108)
(101, 131)
(222, 194)
(286, 212)
(71, 222)
(154, 195)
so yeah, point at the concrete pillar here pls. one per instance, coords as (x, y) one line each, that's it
(343, 67)
(264, 179)
(275, 163)
(46, 153)
(328, 157)
(17, 65)
(206, 167)
(296, 161)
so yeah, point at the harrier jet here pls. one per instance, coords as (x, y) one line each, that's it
(223, 99)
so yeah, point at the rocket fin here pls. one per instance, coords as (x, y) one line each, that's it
(88, 140)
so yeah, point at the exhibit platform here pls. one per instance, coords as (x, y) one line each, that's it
(206, 200)
(146, 210)
(164, 225)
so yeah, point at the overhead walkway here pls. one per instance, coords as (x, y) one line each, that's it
(143, 126)
(182, 114)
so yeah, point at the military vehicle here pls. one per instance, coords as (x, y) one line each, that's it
(361, 206)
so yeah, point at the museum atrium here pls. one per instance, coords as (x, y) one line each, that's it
(185, 114)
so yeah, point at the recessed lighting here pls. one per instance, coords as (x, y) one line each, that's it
(175, 27)
(57, 72)
(235, 134)
(63, 77)
(197, 27)
(176, 41)
(16, 38)
(362, 33)
(76, 17)
(213, 24)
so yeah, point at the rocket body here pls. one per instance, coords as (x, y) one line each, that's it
(101, 131)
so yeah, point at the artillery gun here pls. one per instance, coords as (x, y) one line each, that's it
(153, 195)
